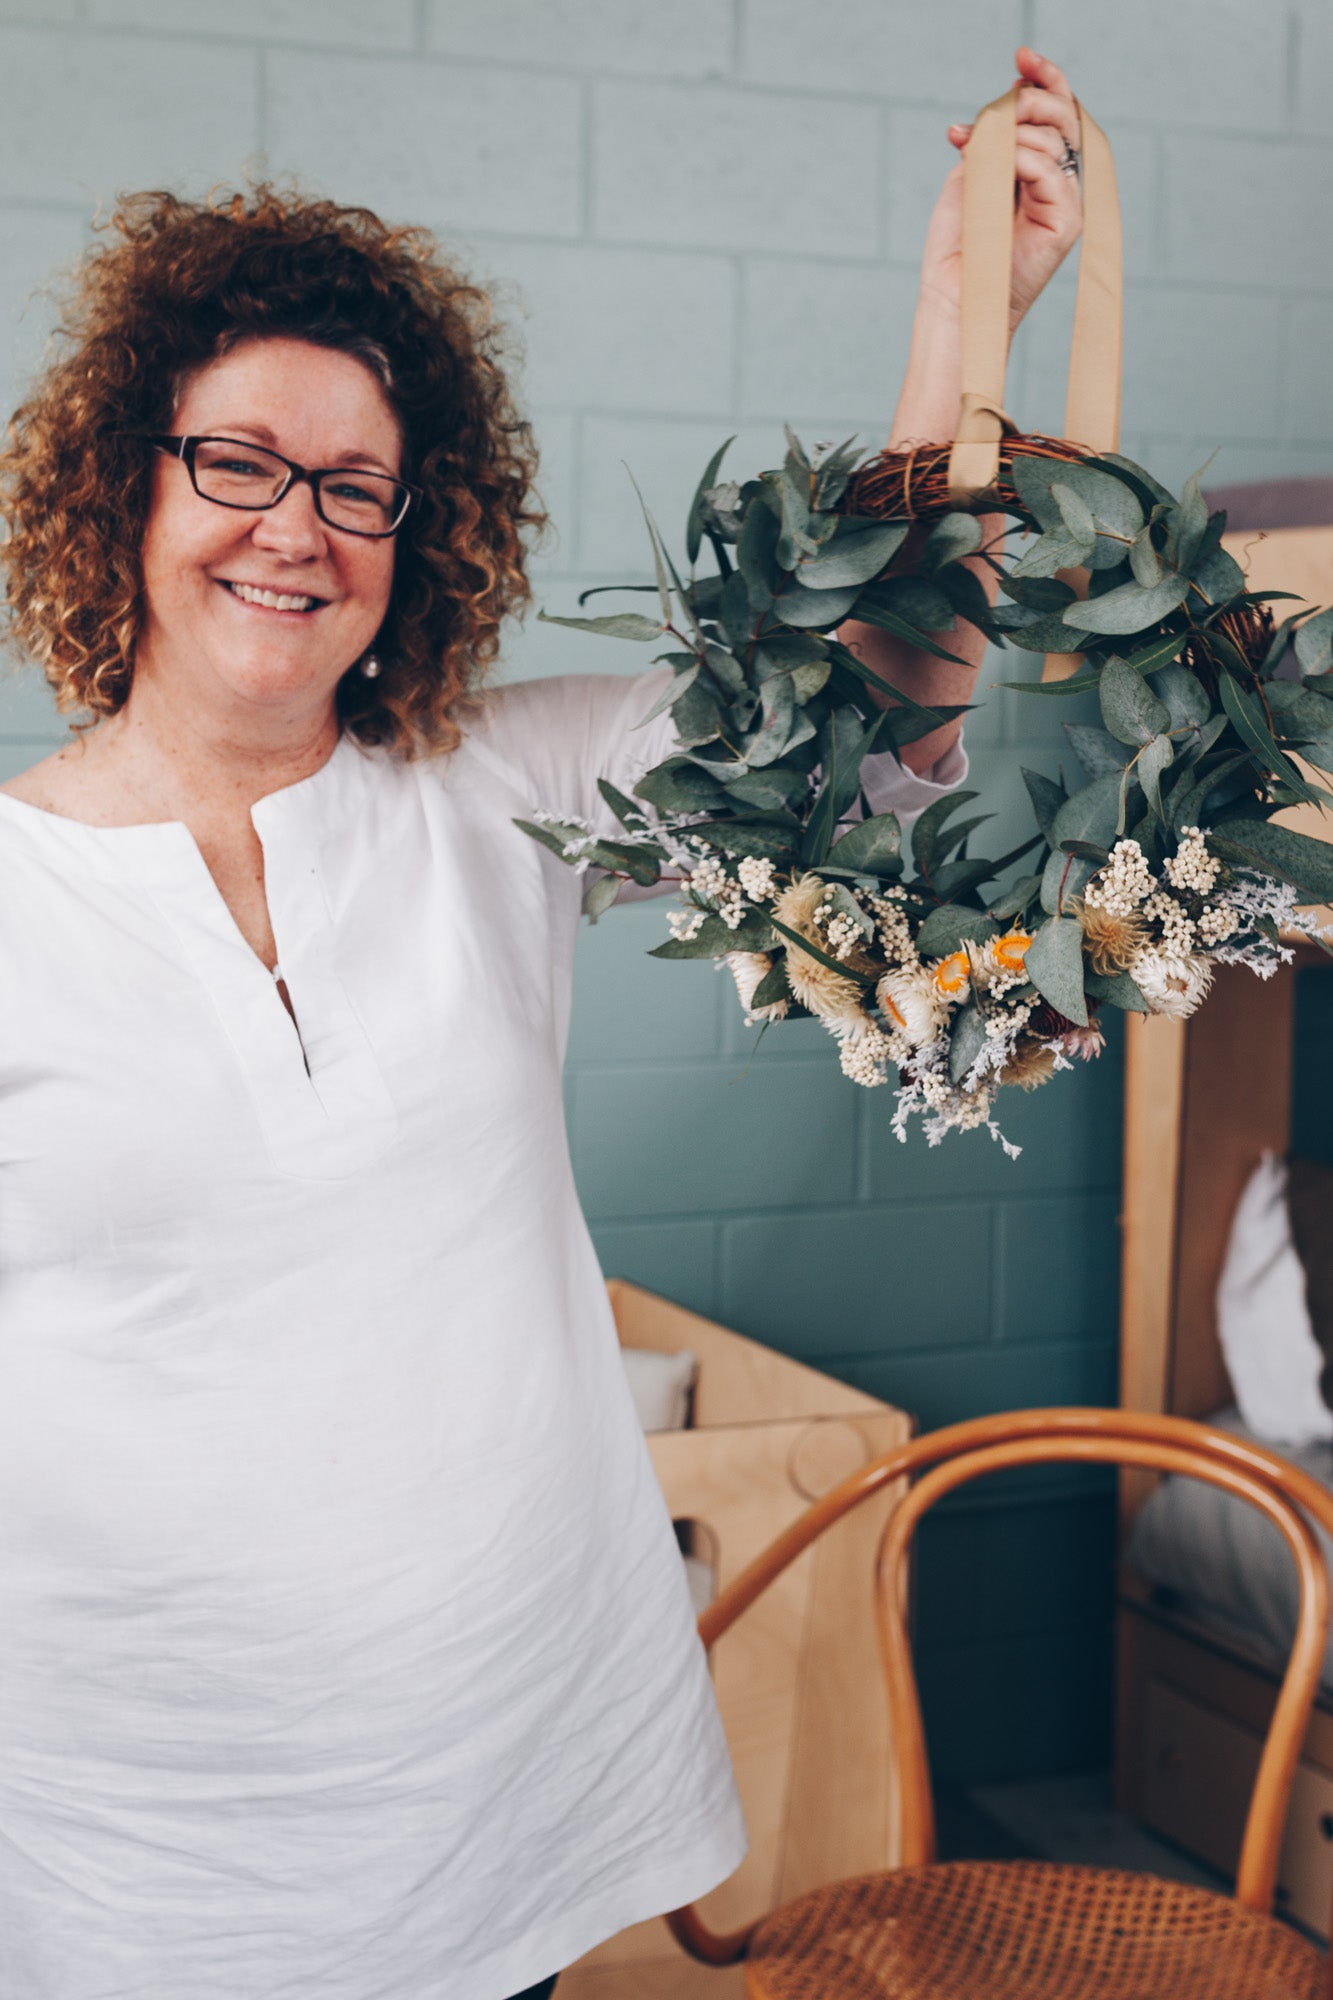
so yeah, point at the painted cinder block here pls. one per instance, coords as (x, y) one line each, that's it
(694, 1138)
(1312, 67)
(617, 329)
(868, 1279)
(677, 1259)
(1059, 1266)
(430, 141)
(89, 116)
(954, 51)
(27, 705)
(1219, 63)
(1307, 389)
(388, 24)
(629, 1007)
(667, 459)
(942, 1386)
(733, 169)
(1238, 205)
(1030, 1706)
(685, 38)
(828, 334)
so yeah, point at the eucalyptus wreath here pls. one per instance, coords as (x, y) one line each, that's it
(1158, 861)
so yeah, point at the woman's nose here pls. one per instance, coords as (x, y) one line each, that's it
(292, 527)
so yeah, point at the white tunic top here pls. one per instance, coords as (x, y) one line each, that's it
(345, 1651)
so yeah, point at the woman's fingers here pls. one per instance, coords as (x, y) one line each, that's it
(1038, 69)
(1041, 107)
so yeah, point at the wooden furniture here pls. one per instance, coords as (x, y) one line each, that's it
(1203, 1099)
(797, 1685)
(1033, 1930)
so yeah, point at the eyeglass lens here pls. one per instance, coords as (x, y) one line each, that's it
(365, 503)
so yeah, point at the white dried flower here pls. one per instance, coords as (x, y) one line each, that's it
(748, 969)
(1171, 985)
(912, 1003)
(1192, 866)
(685, 924)
(866, 1058)
(1123, 882)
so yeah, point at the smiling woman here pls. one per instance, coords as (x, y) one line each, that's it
(344, 1641)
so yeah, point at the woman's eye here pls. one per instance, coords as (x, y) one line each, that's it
(349, 489)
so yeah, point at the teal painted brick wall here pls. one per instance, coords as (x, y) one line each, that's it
(703, 216)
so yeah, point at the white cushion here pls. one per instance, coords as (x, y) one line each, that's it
(660, 1385)
(1263, 1322)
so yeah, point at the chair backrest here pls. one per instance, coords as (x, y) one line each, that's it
(942, 1460)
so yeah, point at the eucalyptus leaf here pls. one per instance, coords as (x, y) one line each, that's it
(1153, 759)
(694, 521)
(778, 707)
(1129, 608)
(1216, 577)
(817, 608)
(601, 894)
(951, 926)
(1051, 553)
(756, 556)
(1089, 814)
(1185, 697)
(1276, 850)
(871, 847)
(1144, 560)
(1054, 964)
(1116, 990)
(952, 537)
(967, 1041)
(1047, 798)
(854, 555)
(928, 832)
(1314, 644)
(713, 939)
(618, 625)
(1062, 879)
(1096, 749)
(1130, 710)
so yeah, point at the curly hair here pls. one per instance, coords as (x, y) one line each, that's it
(174, 285)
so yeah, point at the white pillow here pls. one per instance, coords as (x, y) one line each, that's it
(1263, 1322)
(660, 1385)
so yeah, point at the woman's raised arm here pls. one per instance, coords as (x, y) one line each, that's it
(1047, 221)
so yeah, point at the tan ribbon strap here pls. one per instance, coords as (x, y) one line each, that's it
(987, 253)
(1092, 406)
(1092, 411)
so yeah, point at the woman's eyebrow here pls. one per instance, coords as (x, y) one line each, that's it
(263, 435)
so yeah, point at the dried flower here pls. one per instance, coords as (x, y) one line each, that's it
(1032, 1063)
(835, 999)
(749, 969)
(1192, 867)
(912, 1003)
(1113, 940)
(952, 975)
(1123, 882)
(1171, 985)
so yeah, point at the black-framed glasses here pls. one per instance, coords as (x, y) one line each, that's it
(231, 472)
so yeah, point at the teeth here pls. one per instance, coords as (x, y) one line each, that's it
(273, 600)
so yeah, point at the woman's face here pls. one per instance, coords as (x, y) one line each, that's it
(202, 638)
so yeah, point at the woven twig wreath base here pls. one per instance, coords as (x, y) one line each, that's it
(913, 485)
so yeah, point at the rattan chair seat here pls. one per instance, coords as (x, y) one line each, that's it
(1025, 1930)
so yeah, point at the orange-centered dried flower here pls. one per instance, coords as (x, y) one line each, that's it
(1011, 949)
(952, 973)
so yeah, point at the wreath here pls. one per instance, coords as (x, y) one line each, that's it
(1157, 863)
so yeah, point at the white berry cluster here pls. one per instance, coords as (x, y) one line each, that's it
(1177, 932)
(685, 924)
(865, 1058)
(895, 933)
(711, 881)
(758, 878)
(1192, 866)
(1123, 882)
(1217, 923)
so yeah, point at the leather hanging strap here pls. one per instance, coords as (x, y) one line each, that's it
(1092, 406)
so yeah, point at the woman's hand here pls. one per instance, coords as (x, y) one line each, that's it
(1049, 211)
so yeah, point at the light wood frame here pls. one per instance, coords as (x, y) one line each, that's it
(799, 1684)
(1203, 1099)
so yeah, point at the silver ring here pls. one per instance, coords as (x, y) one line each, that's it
(1069, 161)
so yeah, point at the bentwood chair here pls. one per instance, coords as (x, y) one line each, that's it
(1029, 1930)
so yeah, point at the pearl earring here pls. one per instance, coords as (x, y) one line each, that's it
(370, 666)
